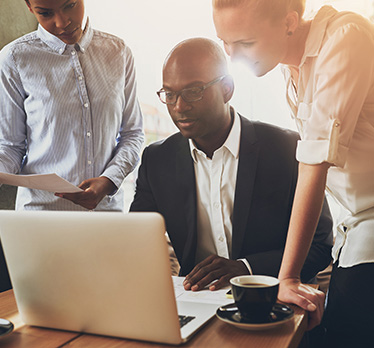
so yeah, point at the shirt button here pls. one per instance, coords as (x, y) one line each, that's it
(73, 53)
(88, 134)
(85, 105)
(80, 78)
(221, 239)
(61, 50)
(216, 205)
(89, 162)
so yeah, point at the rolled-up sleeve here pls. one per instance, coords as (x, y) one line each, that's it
(341, 83)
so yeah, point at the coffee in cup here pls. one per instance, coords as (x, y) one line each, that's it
(255, 296)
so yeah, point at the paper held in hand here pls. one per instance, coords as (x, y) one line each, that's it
(47, 182)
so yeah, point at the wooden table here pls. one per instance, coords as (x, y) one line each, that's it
(215, 334)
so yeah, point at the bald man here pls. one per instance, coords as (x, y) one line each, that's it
(224, 184)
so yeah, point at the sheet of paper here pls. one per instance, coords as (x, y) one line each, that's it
(47, 182)
(205, 296)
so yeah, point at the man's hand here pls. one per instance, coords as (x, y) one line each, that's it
(94, 190)
(214, 268)
(292, 291)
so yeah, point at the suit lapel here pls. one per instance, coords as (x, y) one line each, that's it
(247, 166)
(186, 186)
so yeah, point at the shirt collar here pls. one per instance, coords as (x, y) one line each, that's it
(232, 142)
(86, 38)
(317, 32)
(59, 46)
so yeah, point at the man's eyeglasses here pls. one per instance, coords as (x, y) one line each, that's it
(189, 95)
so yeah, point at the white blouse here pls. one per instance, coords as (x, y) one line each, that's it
(333, 105)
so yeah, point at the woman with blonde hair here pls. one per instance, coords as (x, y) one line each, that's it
(328, 62)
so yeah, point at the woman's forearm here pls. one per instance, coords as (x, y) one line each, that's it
(306, 210)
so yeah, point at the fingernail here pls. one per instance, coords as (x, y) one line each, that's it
(311, 307)
(187, 286)
(212, 288)
(195, 287)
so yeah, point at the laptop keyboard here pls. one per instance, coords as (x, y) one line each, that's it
(184, 319)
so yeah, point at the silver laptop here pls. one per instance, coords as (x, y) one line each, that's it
(104, 273)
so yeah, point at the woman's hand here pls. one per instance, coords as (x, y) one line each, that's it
(94, 190)
(291, 290)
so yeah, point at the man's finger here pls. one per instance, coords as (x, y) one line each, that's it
(206, 280)
(197, 268)
(195, 280)
(220, 283)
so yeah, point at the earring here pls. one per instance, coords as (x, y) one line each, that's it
(289, 33)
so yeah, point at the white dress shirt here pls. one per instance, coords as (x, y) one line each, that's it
(215, 189)
(332, 100)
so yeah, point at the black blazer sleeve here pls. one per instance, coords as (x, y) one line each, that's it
(166, 184)
(144, 199)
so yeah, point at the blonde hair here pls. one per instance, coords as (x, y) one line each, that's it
(267, 8)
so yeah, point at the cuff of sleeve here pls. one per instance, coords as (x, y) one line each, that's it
(317, 151)
(324, 150)
(115, 190)
(246, 263)
(112, 174)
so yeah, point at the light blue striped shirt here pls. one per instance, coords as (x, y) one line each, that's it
(70, 110)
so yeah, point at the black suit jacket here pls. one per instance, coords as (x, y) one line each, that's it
(265, 186)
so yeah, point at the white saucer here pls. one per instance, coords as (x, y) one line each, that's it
(280, 314)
